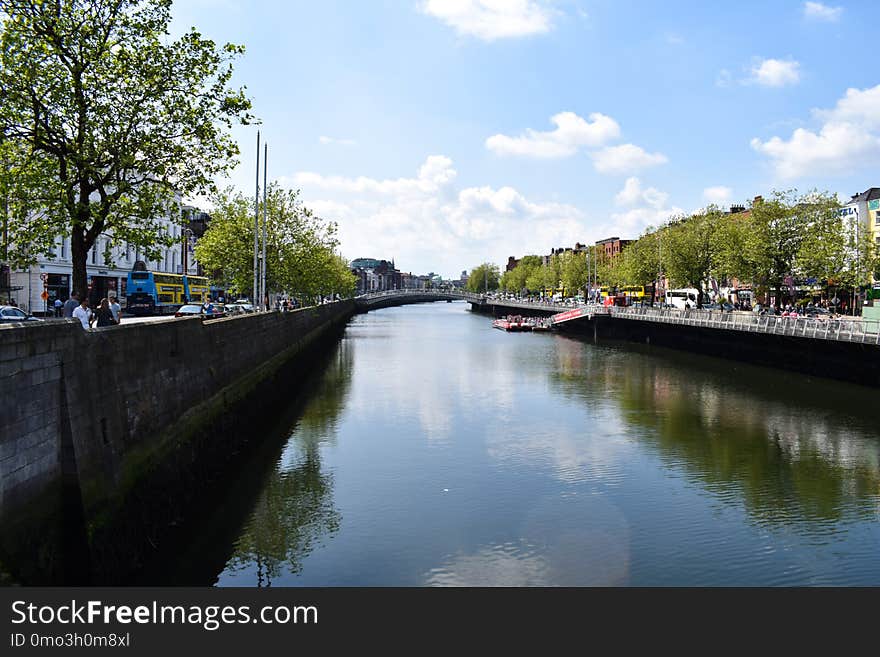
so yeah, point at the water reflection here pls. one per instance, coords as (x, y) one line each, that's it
(438, 451)
(794, 451)
(562, 541)
(295, 511)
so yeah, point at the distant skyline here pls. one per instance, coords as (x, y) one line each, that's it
(444, 133)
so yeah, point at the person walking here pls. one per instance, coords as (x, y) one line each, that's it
(116, 309)
(70, 305)
(104, 315)
(83, 314)
(58, 305)
(208, 308)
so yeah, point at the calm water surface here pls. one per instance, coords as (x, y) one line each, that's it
(434, 450)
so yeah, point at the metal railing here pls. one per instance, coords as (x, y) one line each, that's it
(845, 329)
(439, 294)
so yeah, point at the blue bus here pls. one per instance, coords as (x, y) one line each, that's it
(150, 293)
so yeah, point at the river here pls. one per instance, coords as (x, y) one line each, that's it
(430, 449)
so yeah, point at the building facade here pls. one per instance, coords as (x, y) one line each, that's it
(375, 275)
(106, 276)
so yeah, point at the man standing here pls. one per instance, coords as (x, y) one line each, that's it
(83, 314)
(58, 305)
(70, 305)
(116, 309)
(208, 308)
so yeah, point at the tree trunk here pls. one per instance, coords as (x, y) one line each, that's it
(79, 253)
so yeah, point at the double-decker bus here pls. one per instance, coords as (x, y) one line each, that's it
(151, 293)
(634, 291)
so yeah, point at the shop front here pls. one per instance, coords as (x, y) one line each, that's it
(102, 286)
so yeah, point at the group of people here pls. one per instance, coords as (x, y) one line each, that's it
(285, 305)
(108, 312)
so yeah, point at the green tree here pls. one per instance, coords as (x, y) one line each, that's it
(640, 260)
(694, 249)
(837, 249)
(111, 120)
(573, 267)
(773, 237)
(483, 278)
(516, 280)
(300, 248)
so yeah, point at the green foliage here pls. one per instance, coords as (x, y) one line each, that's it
(694, 248)
(110, 120)
(573, 267)
(483, 278)
(300, 247)
(516, 280)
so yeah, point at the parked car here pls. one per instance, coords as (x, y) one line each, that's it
(234, 309)
(188, 310)
(13, 314)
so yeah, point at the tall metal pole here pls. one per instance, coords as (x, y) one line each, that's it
(660, 273)
(265, 215)
(256, 225)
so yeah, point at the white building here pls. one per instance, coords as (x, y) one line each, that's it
(54, 273)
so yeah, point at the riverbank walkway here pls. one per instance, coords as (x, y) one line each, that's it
(841, 328)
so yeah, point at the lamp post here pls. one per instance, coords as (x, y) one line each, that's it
(187, 234)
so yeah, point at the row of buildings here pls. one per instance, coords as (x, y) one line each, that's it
(107, 276)
(375, 275)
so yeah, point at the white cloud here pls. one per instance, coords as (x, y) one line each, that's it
(633, 194)
(425, 222)
(837, 148)
(647, 207)
(775, 72)
(491, 19)
(571, 132)
(436, 171)
(818, 11)
(861, 107)
(333, 140)
(719, 195)
(848, 140)
(626, 158)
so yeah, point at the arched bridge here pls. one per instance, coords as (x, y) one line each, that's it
(490, 304)
(374, 300)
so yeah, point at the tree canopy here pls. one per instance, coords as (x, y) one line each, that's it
(300, 247)
(110, 121)
(482, 278)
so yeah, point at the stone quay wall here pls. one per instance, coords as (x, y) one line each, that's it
(106, 414)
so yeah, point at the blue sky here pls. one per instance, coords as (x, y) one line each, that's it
(444, 133)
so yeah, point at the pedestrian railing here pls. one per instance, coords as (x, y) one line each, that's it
(846, 329)
(438, 294)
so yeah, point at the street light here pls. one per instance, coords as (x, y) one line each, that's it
(187, 234)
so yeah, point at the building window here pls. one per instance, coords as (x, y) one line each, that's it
(94, 255)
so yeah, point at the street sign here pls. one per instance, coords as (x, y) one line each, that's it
(45, 295)
(44, 277)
